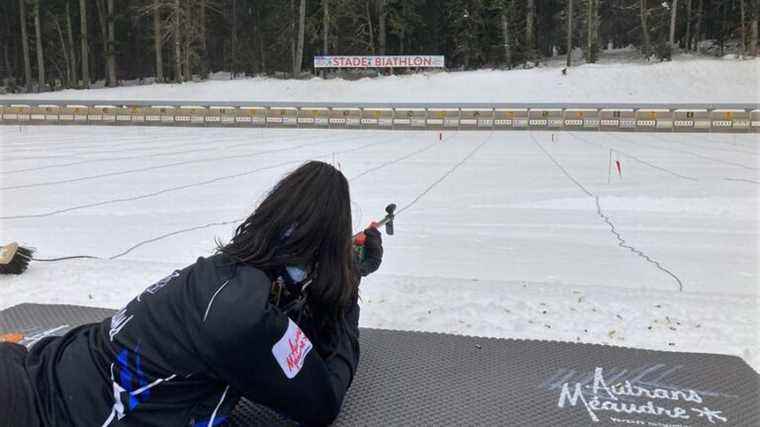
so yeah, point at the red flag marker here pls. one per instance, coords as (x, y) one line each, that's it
(619, 168)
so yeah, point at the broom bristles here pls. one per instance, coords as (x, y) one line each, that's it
(14, 259)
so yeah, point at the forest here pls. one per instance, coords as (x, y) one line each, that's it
(55, 44)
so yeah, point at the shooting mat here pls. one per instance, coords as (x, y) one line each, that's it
(415, 378)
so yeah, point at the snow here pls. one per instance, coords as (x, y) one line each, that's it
(615, 79)
(506, 246)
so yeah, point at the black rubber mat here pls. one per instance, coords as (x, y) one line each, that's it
(413, 378)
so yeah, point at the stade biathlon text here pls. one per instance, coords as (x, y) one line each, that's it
(386, 61)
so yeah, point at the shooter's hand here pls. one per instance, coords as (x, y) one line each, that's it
(373, 251)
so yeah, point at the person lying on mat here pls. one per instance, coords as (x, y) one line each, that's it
(272, 316)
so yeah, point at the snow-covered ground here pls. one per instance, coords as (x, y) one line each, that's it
(507, 245)
(614, 79)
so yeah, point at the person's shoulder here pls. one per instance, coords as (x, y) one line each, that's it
(234, 281)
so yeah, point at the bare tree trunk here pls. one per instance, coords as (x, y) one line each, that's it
(530, 38)
(111, 46)
(325, 26)
(505, 34)
(105, 17)
(596, 46)
(753, 43)
(40, 54)
(177, 43)
(85, 46)
(186, 62)
(187, 30)
(262, 52)
(592, 43)
(698, 26)
(292, 35)
(72, 51)
(688, 26)
(381, 26)
(299, 49)
(644, 12)
(673, 15)
(204, 42)
(10, 36)
(25, 46)
(64, 49)
(589, 25)
(7, 61)
(569, 61)
(371, 31)
(234, 38)
(157, 40)
(723, 29)
(742, 31)
(101, 8)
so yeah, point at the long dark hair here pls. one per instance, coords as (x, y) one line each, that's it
(304, 220)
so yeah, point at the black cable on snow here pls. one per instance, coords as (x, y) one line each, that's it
(556, 163)
(710, 141)
(653, 166)
(184, 230)
(163, 154)
(169, 165)
(621, 242)
(632, 157)
(221, 223)
(213, 224)
(743, 180)
(151, 168)
(65, 258)
(165, 235)
(445, 175)
(713, 159)
(396, 160)
(178, 188)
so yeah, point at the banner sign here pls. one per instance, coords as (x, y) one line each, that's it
(387, 61)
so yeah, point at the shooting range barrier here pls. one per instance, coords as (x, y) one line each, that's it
(313, 117)
(545, 118)
(581, 118)
(730, 120)
(402, 116)
(691, 120)
(415, 378)
(409, 118)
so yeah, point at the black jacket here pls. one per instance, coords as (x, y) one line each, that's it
(184, 352)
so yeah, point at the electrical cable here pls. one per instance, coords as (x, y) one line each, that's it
(176, 188)
(621, 241)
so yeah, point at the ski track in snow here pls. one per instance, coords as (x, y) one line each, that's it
(523, 256)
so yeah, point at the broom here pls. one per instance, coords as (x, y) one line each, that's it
(14, 259)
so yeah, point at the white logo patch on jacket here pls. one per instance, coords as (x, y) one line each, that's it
(291, 350)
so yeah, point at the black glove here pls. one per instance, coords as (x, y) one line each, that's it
(373, 252)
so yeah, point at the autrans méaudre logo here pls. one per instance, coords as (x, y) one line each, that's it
(630, 402)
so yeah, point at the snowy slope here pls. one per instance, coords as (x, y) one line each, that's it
(682, 80)
(508, 245)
